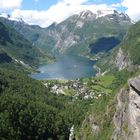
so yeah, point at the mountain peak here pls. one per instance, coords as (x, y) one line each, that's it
(9, 17)
(87, 14)
(101, 13)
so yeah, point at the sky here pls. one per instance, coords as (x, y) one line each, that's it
(45, 12)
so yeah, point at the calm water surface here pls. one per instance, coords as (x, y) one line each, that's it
(66, 67)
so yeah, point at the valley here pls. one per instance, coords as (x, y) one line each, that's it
(74, 80)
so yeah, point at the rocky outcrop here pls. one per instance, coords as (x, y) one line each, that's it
(63, 39)
(122, 61)
(135, 84)
(120, 116)
(134, 108)
(93, 124)
(127, 116)
(89, 124)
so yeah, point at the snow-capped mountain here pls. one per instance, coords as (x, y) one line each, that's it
(102, 13)
(77, 32)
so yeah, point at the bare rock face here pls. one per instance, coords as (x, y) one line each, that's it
(134, 108)
(135, 84)
(127, 116)
(90, 122)
(93, 124)
(121, 116)
(122, 61)
(63, 42)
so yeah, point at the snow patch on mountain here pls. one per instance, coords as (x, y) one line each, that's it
(100, 13)
(5, 15)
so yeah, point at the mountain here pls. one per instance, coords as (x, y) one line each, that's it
(97, 108)
(126, 117)
(116, 115)
(35, 34)
(126, 55)
(78, 33)
(14, 48)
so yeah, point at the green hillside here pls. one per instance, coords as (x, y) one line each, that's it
(35, 34)
(125, 55)
(131, 43)
(29, 111)
(16, 48)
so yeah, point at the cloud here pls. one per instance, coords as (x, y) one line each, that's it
(10, 4)
(32, 17)
(116, 5)
(58, 12)
(74, 2)
(65, 8)
(133, 8)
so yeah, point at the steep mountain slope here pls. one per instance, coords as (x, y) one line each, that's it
(81, 31)
(131, 44)
(119, 118)
(35, 34)
(116, 115)
(78, 33)
(127, 115)
(28, 110)
(15, 48)
(126, 55)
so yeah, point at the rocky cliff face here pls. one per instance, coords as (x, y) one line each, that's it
(122, 61)
(126, 55)
(127, 116)
(80, 30)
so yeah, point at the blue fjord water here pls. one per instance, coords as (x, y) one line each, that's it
(66, 67)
